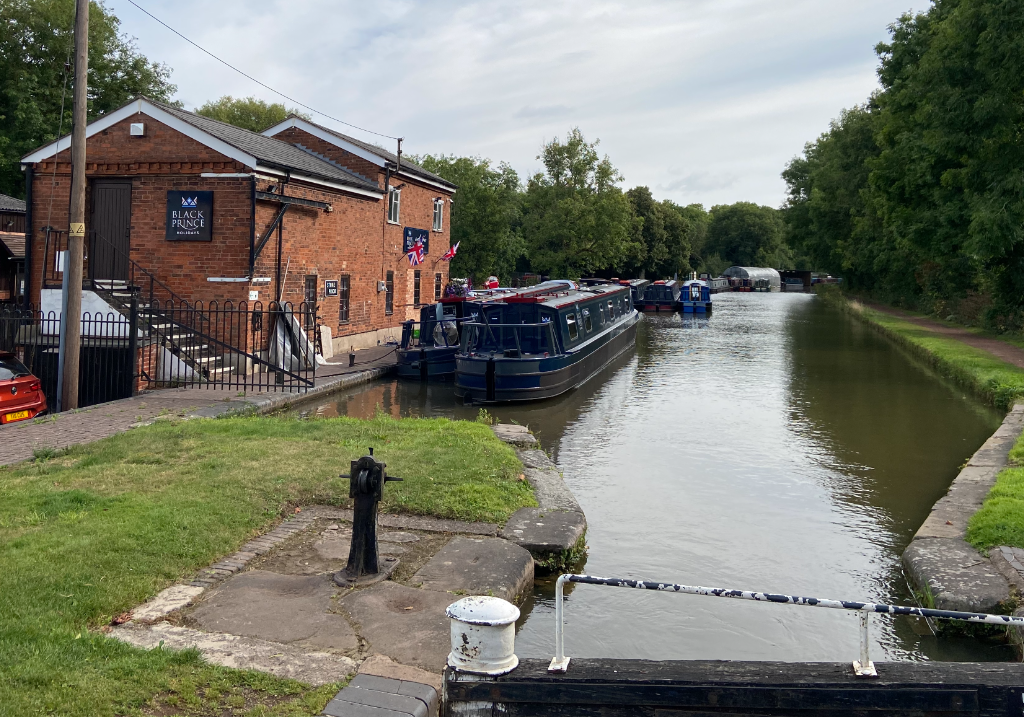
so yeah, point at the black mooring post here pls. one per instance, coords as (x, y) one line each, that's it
(367, 477)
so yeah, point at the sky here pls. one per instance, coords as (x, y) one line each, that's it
(703, 101)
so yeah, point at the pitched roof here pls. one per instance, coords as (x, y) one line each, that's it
(15, 244)
(250, 148)
(269, 150)
(10, 204)
(408, 167)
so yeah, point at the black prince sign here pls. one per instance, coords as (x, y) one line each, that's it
(189, 216)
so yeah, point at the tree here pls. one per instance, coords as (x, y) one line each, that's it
(576, 220)
(485, 215)
(35, 44)
(248, 112)
(745, 234)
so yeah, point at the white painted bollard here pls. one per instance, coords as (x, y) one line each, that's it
(483, 635)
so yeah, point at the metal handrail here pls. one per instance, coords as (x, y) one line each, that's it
(862, 668)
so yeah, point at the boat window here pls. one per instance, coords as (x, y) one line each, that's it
(570, 322)
(611, 309)
(601, 309)
(587, 323)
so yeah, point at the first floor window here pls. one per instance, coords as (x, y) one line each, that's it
(438, 214)
(343, 298)
(437, 287)
(394, 202)
(416, 288)
(389, 293)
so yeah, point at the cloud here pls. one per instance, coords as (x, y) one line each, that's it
(728, 89)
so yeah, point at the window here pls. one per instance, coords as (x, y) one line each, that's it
(389, 293)
(394, 200)
(600, 307)
(587, 324)
(310, 298)
(416, 288)
(570, 322)
(437, 287)
(438, 214)
(611, 310)
(343, 299)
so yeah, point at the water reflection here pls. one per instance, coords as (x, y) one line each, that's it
(776, 445)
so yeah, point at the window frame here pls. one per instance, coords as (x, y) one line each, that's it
(416, 282)
(588, 323)
(344, 298)
(389, 293)
(572, 326)
(394, 205)
(438, 285)
(438, 215)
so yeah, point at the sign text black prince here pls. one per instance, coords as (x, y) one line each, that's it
(189, 216)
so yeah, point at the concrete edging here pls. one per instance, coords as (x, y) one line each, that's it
(939, 561)
(555, 531)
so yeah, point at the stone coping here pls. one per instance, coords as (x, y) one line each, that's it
(939, 561)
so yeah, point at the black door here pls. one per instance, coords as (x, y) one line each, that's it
(109, 229)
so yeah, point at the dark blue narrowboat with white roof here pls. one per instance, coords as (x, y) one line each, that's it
(543, 342)
(695, 297)
(636, 291)
(661, 296)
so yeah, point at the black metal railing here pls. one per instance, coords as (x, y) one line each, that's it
(244, 346)
(106, 359)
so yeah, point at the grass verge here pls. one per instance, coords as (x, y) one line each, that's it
(1000, 521)
(994, 380)
(93, 531)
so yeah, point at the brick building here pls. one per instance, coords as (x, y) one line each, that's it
(12, 248)
(215, 212)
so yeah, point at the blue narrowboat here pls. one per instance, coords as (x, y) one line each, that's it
(661, 296)
(695, 297)
(636, 291)
(540, 344)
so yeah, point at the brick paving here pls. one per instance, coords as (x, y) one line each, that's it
(19, 441)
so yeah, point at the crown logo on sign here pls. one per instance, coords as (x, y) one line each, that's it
(189, 201)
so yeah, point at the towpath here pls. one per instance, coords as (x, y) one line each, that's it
(19, 441)
(1000, 349)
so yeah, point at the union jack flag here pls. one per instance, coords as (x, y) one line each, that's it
(450, 254)
(415, 254)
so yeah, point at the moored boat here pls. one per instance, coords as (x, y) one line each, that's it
(636, 291)
(695, 297)
(542, 343)
(661, 296)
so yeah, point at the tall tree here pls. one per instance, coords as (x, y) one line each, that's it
(248, 113)
(576, 220)
(485, 215)
(746, 234)
(35, 44)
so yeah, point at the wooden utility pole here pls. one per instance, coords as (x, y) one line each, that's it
(76, 233)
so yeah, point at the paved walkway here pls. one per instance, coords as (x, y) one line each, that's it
(1000, 349)
(19, 441)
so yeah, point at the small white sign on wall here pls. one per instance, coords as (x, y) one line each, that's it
(254, 295)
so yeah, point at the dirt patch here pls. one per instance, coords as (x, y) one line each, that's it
(221, 702)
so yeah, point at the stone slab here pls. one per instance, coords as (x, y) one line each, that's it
(281, 608)
(515, 434)
(543, 532)
(166, 602)
(384, 666)
(957, 576)
(478, 566)
(241, 653)
(405, 624)
(549, 487)
(354, 695)
(993, 452)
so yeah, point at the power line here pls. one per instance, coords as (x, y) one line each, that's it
(261, 84)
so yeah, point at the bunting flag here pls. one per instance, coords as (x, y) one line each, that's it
(416, 254)
(450, 254)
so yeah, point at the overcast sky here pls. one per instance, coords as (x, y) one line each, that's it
(701, 100)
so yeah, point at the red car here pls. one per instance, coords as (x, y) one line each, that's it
(21, 393)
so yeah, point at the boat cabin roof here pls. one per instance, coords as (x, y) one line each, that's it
(559, 299)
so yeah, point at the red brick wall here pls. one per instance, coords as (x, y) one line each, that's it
(360, 166)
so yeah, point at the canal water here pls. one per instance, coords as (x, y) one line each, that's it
(779, 445)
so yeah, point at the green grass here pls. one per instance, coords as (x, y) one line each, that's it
(1001, 518)
(90, 532)
(991, 378)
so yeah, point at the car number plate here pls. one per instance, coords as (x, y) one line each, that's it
(16, 416)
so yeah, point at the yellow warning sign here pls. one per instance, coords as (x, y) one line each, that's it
(77, 229)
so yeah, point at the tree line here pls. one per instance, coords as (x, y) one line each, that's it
(916, 197)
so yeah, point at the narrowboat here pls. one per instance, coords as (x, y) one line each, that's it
(539, 344)
(636, 291)
(695, 297)
(661, 296)
(431, 354)
(715, 283)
